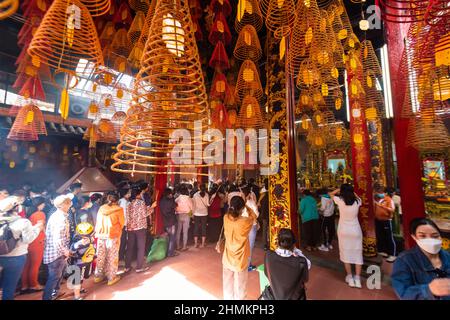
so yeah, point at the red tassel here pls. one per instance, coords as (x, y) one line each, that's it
(219, 59)
(220, 30)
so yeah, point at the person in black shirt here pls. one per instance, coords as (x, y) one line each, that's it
(263, 204)
(287, 269)
(167, 208)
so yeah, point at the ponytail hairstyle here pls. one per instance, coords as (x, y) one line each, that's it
(237, 204)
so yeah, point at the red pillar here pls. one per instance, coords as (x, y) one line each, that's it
(408, 160)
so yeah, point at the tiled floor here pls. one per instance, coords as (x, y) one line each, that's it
(197, 275)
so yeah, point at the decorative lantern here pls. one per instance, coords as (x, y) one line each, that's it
(120, 44)
(134, 33)
(139, 5)
(250, 114)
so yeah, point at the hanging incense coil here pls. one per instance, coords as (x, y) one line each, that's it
(62, 46)
(249, 83)
(303, 34)
(220, 30)
(97, 7)
(250, 114)
(308, 76)
(169, 94)
(28, 124)
(428, 135)
(107, 34)
(280, 17)
(123, 14)
(222, 6)
(248, 46)
(147, 23)
(316, 139)
(219, 87)
(219, 58)
(195, 8)
(139, 5)
(8, 8)
(230, 98)
(120, 44)
(220, 117)
(248, 13)
(134, 32)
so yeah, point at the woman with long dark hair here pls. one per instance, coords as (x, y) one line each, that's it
(35, 249)
(201, 205)
(349, 232)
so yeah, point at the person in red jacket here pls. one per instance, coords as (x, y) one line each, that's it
(215, 220)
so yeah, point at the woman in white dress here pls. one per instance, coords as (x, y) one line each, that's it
(349, 232)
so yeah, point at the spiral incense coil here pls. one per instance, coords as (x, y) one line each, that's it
(8, 8)
(280, 16)
(28, 124)
(147, 24)
(248, 46)
(120, 44)
(97, 7)
(309, 75)
(134, 33)
(316, 138)
(219, 87)
(248, 13)
(219, 59)
(220, 30)
(169, 94)
(250, 116)
(304, 32)
(123, 14)
(139, 5)
(66, 35)
(107, 34)
(220, 118)
(427, 135)
(249, 83)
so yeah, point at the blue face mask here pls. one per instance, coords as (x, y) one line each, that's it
(380, 195)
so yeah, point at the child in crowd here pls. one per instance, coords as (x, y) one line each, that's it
(82, 253)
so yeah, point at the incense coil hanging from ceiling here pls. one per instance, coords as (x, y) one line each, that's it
(250, 116)
(219, 59)
(334, 17)
(427, 132)
(61, 46)
(8, 8)
(250, 14)
(219, 117)
(139, 5)
(120, 44)
(303, 33)
(134, 33)
(400, 11)
(29, 123)
(220, 30)
(107, 34)
(371, 74)
(280, 16)
(221, 6)
(308, 76)
(123, 14)
(169, 93)
(219, 87)
(97, 7)
(248, 46)
(248, 82)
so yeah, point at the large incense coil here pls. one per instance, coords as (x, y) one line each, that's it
(51, 43)
(308, 76)
(371, 74)
(107, 34)
(169, 94)
(250, 116)
(351, 43)
(8, 8)
(248, 82)
(28, 124)
(280, 16)
(134, 33)
(139, 5)
(316, 138)
(248, 46)
(97, 7)
(146, 27)
(120, 44)
(336, 21)
(251, 14)
(135, 56)
(428, 135)
(342, 12)
(303, 34)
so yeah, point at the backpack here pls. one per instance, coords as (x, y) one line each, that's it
(7, 240)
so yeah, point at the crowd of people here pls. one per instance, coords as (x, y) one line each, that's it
(93, 234)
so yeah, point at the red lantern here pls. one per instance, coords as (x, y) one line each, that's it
(219, 59)
(220, 30)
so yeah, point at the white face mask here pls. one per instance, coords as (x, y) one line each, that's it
(430, 245)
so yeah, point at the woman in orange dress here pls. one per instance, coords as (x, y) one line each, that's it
(35, 249)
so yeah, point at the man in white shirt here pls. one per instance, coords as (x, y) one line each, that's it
(124, 201)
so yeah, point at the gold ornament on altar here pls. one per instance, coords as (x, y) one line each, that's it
(248, 82)
(248, 46)
(169, 92)
(66, 35)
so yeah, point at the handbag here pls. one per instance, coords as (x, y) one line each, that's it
(220, 245)
(267, 294)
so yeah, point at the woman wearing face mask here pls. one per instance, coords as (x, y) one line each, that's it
(423, 272)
